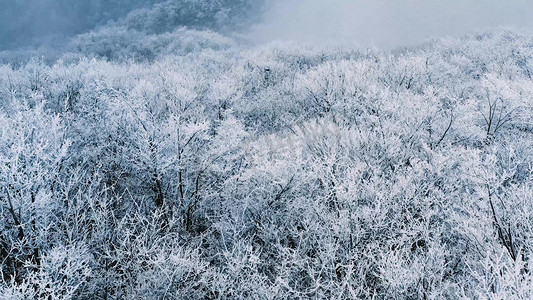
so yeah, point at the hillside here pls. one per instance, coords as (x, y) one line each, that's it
(153, 162)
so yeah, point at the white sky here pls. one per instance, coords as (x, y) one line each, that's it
(386, 23)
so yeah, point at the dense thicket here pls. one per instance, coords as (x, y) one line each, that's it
(211, 171)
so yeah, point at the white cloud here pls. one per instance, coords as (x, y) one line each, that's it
(386, 23)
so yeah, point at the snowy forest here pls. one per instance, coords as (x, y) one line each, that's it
(154, 153)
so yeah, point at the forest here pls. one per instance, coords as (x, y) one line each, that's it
(158, 156)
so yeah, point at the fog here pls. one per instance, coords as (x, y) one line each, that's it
(386, 23)
(383, 24)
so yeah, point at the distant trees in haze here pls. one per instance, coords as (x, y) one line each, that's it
(34, 22)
